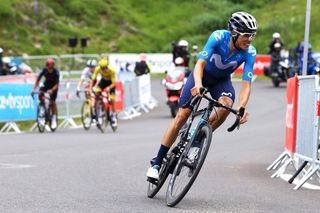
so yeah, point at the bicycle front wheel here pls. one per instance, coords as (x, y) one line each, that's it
(86, 115)
(189, 165)
(101, 114)
(41, 117)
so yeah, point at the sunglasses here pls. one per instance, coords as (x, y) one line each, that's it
(247, 36)
(104, 68)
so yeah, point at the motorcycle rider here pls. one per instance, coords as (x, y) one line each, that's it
(276, 38)
(275, 57)
(183, 52)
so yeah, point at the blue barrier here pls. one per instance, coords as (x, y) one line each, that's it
(16, 104)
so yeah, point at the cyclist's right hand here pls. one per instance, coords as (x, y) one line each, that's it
(198, 90)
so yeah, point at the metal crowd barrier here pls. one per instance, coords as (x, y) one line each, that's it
(306, 153)
(137, 99)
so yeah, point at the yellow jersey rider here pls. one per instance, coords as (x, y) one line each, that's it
(104, 79)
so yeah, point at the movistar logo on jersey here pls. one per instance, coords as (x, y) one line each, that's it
(204, 53)
(229, 94)
(218, 62)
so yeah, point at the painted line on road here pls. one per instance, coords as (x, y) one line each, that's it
(15, 166)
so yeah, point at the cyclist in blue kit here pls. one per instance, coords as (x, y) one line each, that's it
(223, 53)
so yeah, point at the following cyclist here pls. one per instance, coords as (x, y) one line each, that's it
(87, 73)
(104, 79)
(50, 85)
(224, 51)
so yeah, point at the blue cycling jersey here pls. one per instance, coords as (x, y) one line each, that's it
(219, 64)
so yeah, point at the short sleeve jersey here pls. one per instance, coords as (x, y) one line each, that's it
(86, 73)
(51, 78)
(219, 64)
(109, 75)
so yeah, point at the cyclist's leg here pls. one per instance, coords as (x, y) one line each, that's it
(175, 126)
(41, 92)
(222, 91)
(53, 108)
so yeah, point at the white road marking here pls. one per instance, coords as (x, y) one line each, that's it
(15, 166)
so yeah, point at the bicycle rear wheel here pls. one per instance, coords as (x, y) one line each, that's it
(41, 117)
(86, 115)
(187, 169)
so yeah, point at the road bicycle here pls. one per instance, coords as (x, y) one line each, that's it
(44, 113)
(187, 155)
(102, 111)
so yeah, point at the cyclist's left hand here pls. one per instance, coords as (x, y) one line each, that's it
(50, 91)
(245, 116)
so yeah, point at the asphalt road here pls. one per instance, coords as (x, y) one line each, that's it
(73, 170)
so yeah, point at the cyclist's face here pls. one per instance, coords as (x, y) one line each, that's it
(50, 68)
(92, 69)
(245, 40)
(105, 69)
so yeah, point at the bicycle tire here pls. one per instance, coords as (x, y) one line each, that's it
(206, 131)
(41, 117)
(86, 115)
(101, 115)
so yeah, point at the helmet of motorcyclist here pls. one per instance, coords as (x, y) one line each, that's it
(103, 63)
(1, 50)
(91, 63)
(242, 22)
(179, 61)
(276, 35)
(6, 60)
(50, 62)
(183, 43)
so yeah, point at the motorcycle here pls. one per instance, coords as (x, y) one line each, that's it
(173, 83)
(280, 68)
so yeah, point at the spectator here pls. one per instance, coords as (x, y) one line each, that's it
(142, 67)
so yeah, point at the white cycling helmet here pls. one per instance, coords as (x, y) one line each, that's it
(242, 22)
(91, 63)
(183, 43)
(276, 35)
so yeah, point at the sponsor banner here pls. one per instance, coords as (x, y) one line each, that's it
(119, 96)
(291, 115)
(16, 104)
(261, 62)
(159, 62)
